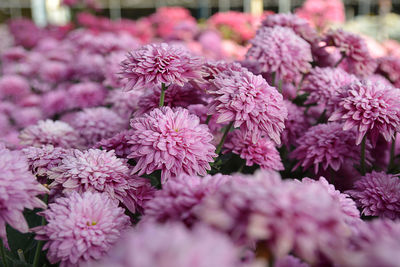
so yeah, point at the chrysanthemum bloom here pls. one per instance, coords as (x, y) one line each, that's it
(279, 50)
(13, 87)
(377, 78)
(53, 72)
(180, 196)
(263, 152)
(326, 145)
(19, 190)
(378, 194)
(171, 140)
(87, 94)
(300, 26)
(42, 159)
(118, 143)
(48, 132)
(88, 66)
(55, 102)
(322, 85)
(347, 205)
(102, 171)
(81, 228)
(123, 103)
(94, 124)
(389, 67)
(357, 60)
(376, 243)
(370, 108)
(112, 68)
(249, 102)
(175, 96)
(154, 64)
(296, 124)
(26, 116)
(173, 245)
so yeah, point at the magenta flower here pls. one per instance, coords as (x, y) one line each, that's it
(118, 143)
(296, 124)
(299, 25)
(55, 102)
(81, 228)
(358, 60)
(124, 103)
(19, 190)
(13, 87)
(154, 64)
(348, 206)
(180, 196)
(171, 140)
(326, 146)
(279, 50)
(263, 152)
(290, 261)
(323, 84)
(48, 132)
(112, 68)
(249, 102)
(370, 108)
(389, 67)
(98, 170)
(94, 124)
(87, 94)
(173, 245)
(378, 194)
(44, 158)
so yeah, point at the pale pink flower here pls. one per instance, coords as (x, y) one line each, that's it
(87, 94)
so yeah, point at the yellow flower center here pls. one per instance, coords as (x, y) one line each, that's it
(91, 224)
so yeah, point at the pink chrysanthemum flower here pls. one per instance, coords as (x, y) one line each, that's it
(55, 102)
(249, 102)
(389, 67)
(48, 132)
(124, 103)
(102, 171)
(322, 85)
(175, 96)
(296, 124)
(180, 196)
(42, 159)
(263, 152)
(290, 261)
(326, 146)
(299, 25)
(376, 243)
(118, 143)
(153, 64)
(19, 190)
(378, 194)
(13, 87)
(370, 108)
(173, 245)
(87, 94)
(348, 206)
(279, 50)
(357, 60)
(94, 124)
(81, 228)
(171, 140)
(112, 68)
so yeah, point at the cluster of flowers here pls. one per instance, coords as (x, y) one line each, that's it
(148, 154)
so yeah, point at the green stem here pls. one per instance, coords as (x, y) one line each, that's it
(362, 162)
(208, 119)
(3, 253)
(392, 152)
(301, 82)
(40, 242)
(21, 255)
(162, 96)
(241, 166)
(273, 79)
(221, 143)
(340, 60)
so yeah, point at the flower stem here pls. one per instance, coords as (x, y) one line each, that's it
(280, 86)
(340, 60)
(40, 242)
(221, 143)
(392, 152)
(273, 79)
(208, 119)
(3, 253)
(362, 162)
(162, 96)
